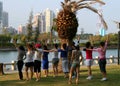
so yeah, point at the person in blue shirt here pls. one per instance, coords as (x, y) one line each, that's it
(64, 57)
(45, 62)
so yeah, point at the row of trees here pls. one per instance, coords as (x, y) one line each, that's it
(36, 36)
(94, 39)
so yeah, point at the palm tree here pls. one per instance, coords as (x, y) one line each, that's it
(67, 22)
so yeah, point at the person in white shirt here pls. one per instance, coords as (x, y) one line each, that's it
(37, 61)
(55, 60)
(29, 61)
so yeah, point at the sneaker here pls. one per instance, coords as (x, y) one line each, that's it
(37, 80)
(89, 78)
(45, 76)
(69, 82)
(54, 76)
(73, 76)
(103, 79)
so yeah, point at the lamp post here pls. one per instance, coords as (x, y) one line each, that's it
(118, 26)
(118, 43)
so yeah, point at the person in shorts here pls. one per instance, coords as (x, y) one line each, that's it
(76, 59)
(29, 64)
(55, 60)
(64, 58)
(89, 60)
(37, 61)
(102, 58)
(45, 62)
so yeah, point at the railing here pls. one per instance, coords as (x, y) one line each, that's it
(13, 65)
(3, 66)
(110, 60)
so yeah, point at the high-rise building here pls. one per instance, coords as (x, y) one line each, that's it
(5, 19)
(41, 18)
(56, 13)
(1, 11)
(22, 29)
(49, 16)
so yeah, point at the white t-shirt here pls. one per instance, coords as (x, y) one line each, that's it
(29, 56)
(38, 54)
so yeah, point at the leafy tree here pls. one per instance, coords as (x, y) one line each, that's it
(54, 27)
(15, 38)
(37, 32)
(29, 27)
(23, 39)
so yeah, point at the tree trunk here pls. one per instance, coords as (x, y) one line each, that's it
(1, 69)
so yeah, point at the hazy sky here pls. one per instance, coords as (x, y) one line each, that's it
(19, 11)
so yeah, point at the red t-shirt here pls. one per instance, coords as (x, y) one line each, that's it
(88, 54)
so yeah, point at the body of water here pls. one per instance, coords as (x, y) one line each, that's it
(9, 56)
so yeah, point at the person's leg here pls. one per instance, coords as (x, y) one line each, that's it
(35, 70)
(20, 66)
(47, 72)
(88, 64)
(66, 68)
(44, 72)
(31, 70)
(56, 67)
(70, 75)
(39, 69)
(53, 70)
(102, 65)
(104, 69)
(36, 75)
(89, 71)
(26, 72)
(77, 77)
(63, 67)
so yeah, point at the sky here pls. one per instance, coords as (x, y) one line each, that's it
(19, 11)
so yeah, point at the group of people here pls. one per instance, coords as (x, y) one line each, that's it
(36, 55)
(32, 60)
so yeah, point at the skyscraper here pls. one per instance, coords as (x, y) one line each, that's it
(1, 11)
(49, 16)
(5, 19)
(41, 18)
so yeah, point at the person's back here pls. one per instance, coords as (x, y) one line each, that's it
(20, 58)
(77, 54)
(21, 53)
(38, 54)
(88, 52)
(29, 56)
(102, 58)
(37, 61)
(89, 60)
(102, 50)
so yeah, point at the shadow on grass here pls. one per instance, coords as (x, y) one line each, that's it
(113, 79)
(44, 81)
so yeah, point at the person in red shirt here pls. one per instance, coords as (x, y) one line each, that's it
(89, 59)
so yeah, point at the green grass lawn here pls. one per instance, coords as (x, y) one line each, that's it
(112, 70)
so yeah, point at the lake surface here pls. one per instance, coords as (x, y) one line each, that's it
(9, 56)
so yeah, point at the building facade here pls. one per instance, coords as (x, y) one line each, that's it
(5, 19)
(22, 29)
(1, 11)
(49, 16)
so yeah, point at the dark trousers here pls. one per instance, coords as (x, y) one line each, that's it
(102, 65)
(20, 66)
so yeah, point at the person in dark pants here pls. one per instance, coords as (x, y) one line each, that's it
(21, 56)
